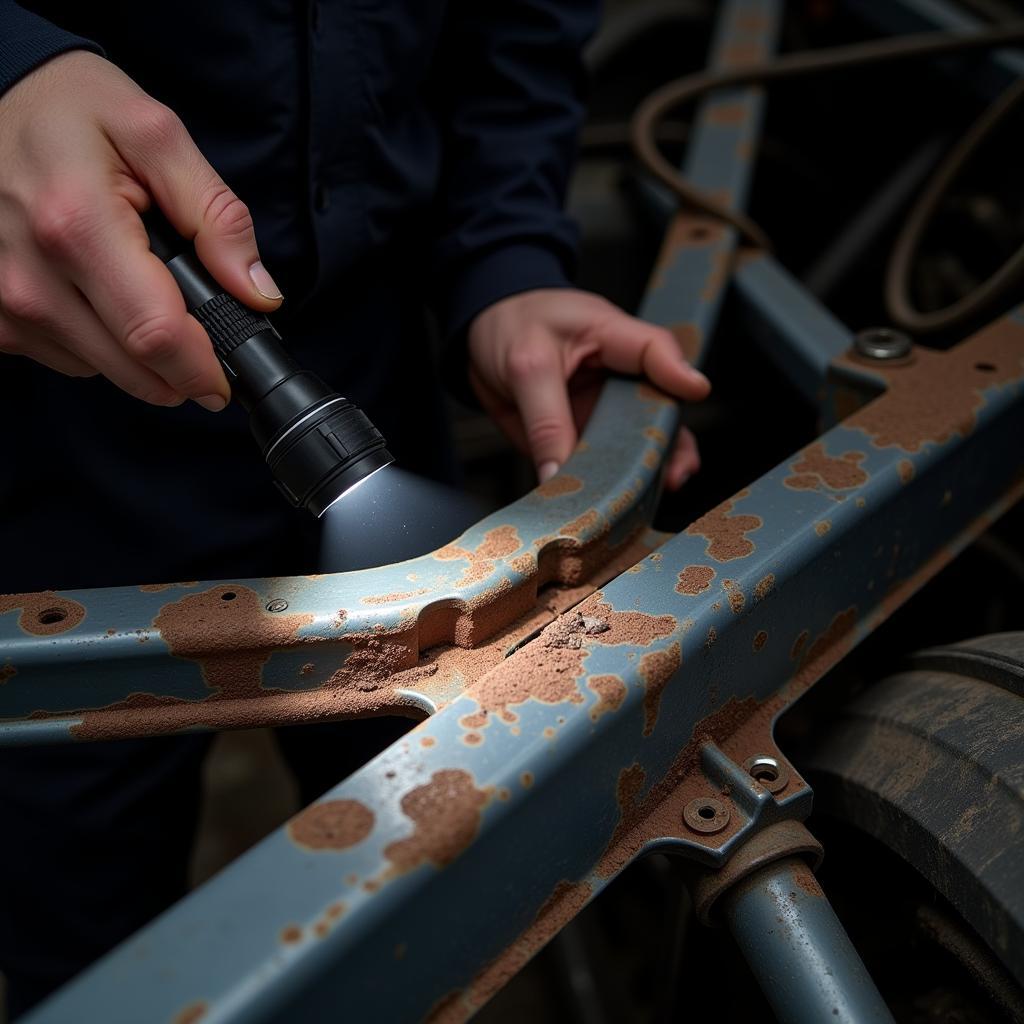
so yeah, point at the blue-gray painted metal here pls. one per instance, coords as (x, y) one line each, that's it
(799, 951)
(789, 324)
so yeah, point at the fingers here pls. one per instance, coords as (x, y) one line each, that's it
(99, 243)
(683, 462)
(45, 317)
(629, 345)
(158, 149)
(536, 379)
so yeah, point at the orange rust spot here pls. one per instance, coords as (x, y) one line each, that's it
(739, 54)
(582, 524)
(649, 393)
(427, 741)
(764, 587)
(6, 673)
(798, 644)
(760, 640)
(291, 934)
(725, 533)
(331, 825)
(446, 815)
(620, 504)
(712, 637)
(334, 911)
(526, 779)
(192, 1014)
(611, 692)
(559, 484)
(404, 595)
(906, 470)
(735, 595)
(44, 613)
(690, 340)
(657, 435)
(815, 469)
(727, 113)
(828, 648)
(525, 564)
(695, 579)
(652, 458)
(472, 738)
(321, 929)
(823, 527)
(501, 542)
(938, 394)
(548, 669)
(656, 669)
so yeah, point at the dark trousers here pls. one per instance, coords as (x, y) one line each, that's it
(100, 490)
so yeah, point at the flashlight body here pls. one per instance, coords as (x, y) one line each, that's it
(316, 443)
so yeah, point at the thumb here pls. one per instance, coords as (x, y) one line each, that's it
(200, 205)
(541, 394)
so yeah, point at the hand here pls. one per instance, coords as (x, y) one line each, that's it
(537, 360)
(83, 150)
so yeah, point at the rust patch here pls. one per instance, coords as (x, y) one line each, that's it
(690, 340)
(526, 779)
(611, 692)
(404, 595)
(331, 825)
(652, 459)
(585, 523)
(712, 637)
(739, 54)
(649, 393)
(727, 113)
(44, 613)
(291, 934)
(427, 741)
(822, 527)
(472, 738)
(6, 673)
(656, 669)
(906, 470)
(735, 595)
(803, 878)
(657, 435)
(192, 1014)
(798, 645)
(525, 564)
(815, 469)
(155, 588)
(694, 580)
(726, 534)
(564, 903)
(548, 669)
(760, 640)
(559, 484)
(827, 649)
(721, 265)
(446, 815)
(501, 542)
(764, 587)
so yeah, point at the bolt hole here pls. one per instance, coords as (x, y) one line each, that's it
(700, 234)
(763, 769)
(228, 595)
(51, 615)
(706, 811)
(985, 367)
(766, 775)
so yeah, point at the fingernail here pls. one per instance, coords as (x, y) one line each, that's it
(546, 470)
(264, 282)
(212, 403)
(697, 375)
(175, 401)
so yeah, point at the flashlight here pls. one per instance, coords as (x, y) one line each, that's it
(317, 444)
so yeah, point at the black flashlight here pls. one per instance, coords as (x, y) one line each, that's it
(317, 444)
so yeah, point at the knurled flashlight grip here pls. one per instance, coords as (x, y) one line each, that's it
(316, 443)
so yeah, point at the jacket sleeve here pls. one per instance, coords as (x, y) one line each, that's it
(510, 105)
(27, 40)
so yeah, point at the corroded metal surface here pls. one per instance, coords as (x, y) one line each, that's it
(134, 660)
(498, 818)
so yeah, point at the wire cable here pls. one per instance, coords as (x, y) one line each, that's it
(901, 309)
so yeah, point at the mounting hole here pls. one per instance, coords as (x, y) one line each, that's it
(228, 595)
(768, 772)
(706, 815)
(706, 811)
(986, 367)
(50, 616)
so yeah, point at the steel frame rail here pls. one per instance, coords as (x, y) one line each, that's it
(567, 734)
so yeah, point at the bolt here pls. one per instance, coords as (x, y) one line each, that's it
(882, 343)
(707, 815)
(277, 605)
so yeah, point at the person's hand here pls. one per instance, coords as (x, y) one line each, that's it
(82, 151)
(537, 360)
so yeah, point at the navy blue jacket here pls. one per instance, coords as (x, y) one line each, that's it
(429, 135)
